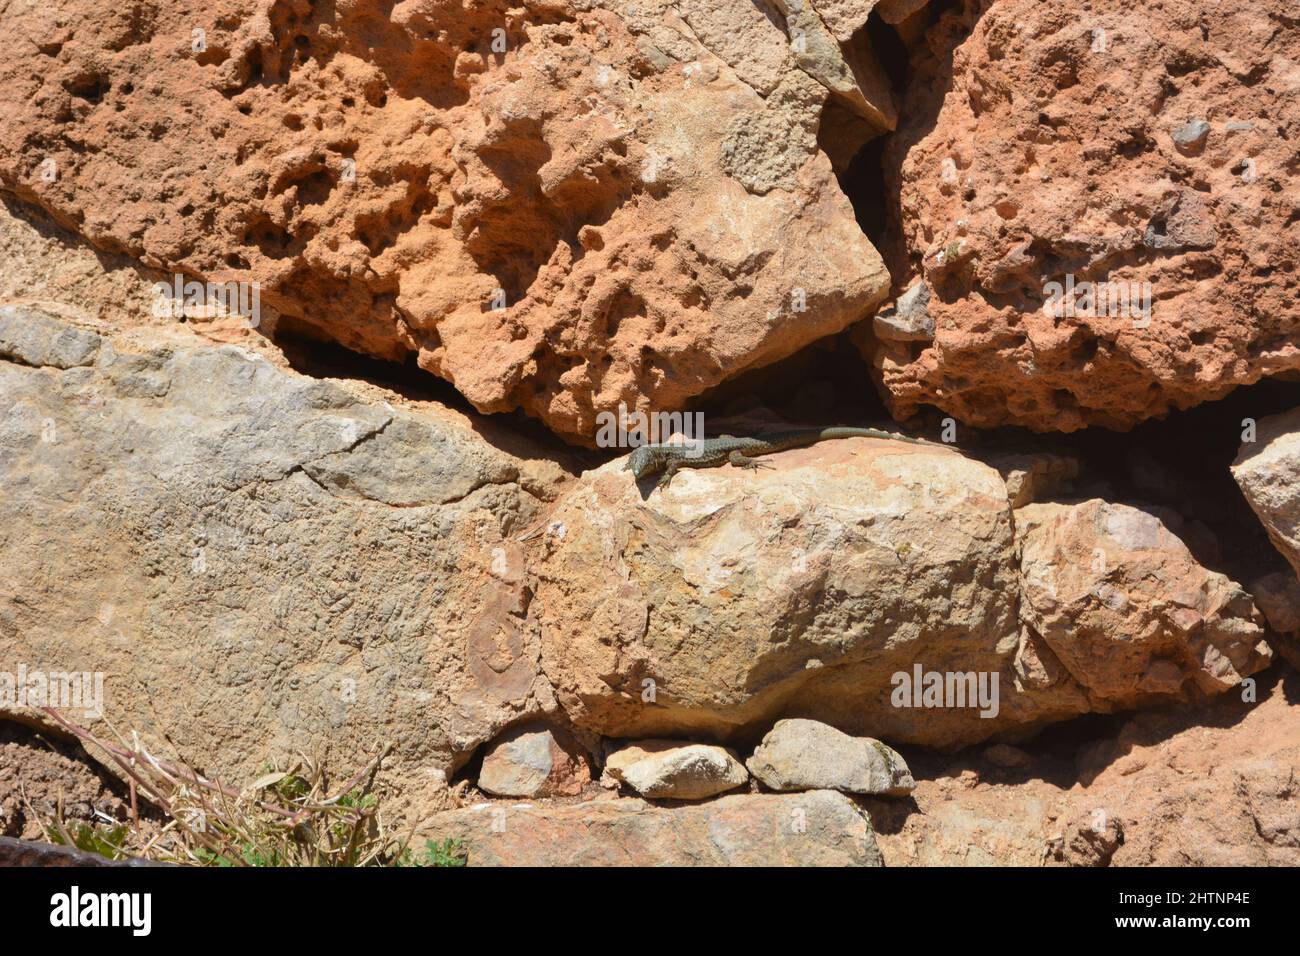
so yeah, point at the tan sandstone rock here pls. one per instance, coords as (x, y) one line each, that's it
(875, 586)
(259, 563)
(1042, 140)
(534, 761)
(1125, 609)
(557, 206)
(1033, 476)
(734, 598)
(819, 828)
(673, 770)
(808, 755)
(1268, 472)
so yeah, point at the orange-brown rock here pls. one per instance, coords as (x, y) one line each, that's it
(1130, 142)
(1214, 787)
(555, 205)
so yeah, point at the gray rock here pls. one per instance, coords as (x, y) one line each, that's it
(30, 336)
(908, 320)
(809, 755)
(1190, 138)
(258, 561)
(673, 770)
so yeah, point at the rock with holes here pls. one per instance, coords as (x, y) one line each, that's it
(534, 761)
(260, 563)
(1088, 267)
(821, 828)
(674, 770)
(556, 205)
(809, 755)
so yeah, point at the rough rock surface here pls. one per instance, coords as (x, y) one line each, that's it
(1278, 598)
(908, 319)
(1268, 473)
(534, 761)
(261, 562)
(35, 338)
(1210, 787)
(819, 828)
(559, 206)
(1126, 611)
(1044, 146)
(1035, 476)
(735, 598)
(808, 755)
(673, 770)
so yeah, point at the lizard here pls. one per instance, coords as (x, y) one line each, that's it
(728, 449)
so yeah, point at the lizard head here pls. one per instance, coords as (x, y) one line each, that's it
(643, 461)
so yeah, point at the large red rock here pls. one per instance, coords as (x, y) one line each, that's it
(555, 206)
(1131, 141)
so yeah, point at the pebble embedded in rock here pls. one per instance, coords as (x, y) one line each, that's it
(909, 319)
(1190, 138)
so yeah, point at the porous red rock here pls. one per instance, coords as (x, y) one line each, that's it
(1044, 140)
(554, 205)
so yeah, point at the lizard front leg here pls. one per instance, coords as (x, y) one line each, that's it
(670, 469)
(741, 460)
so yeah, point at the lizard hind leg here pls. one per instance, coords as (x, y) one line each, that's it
(741, 460)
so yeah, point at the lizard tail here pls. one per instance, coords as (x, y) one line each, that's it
(842, 431)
